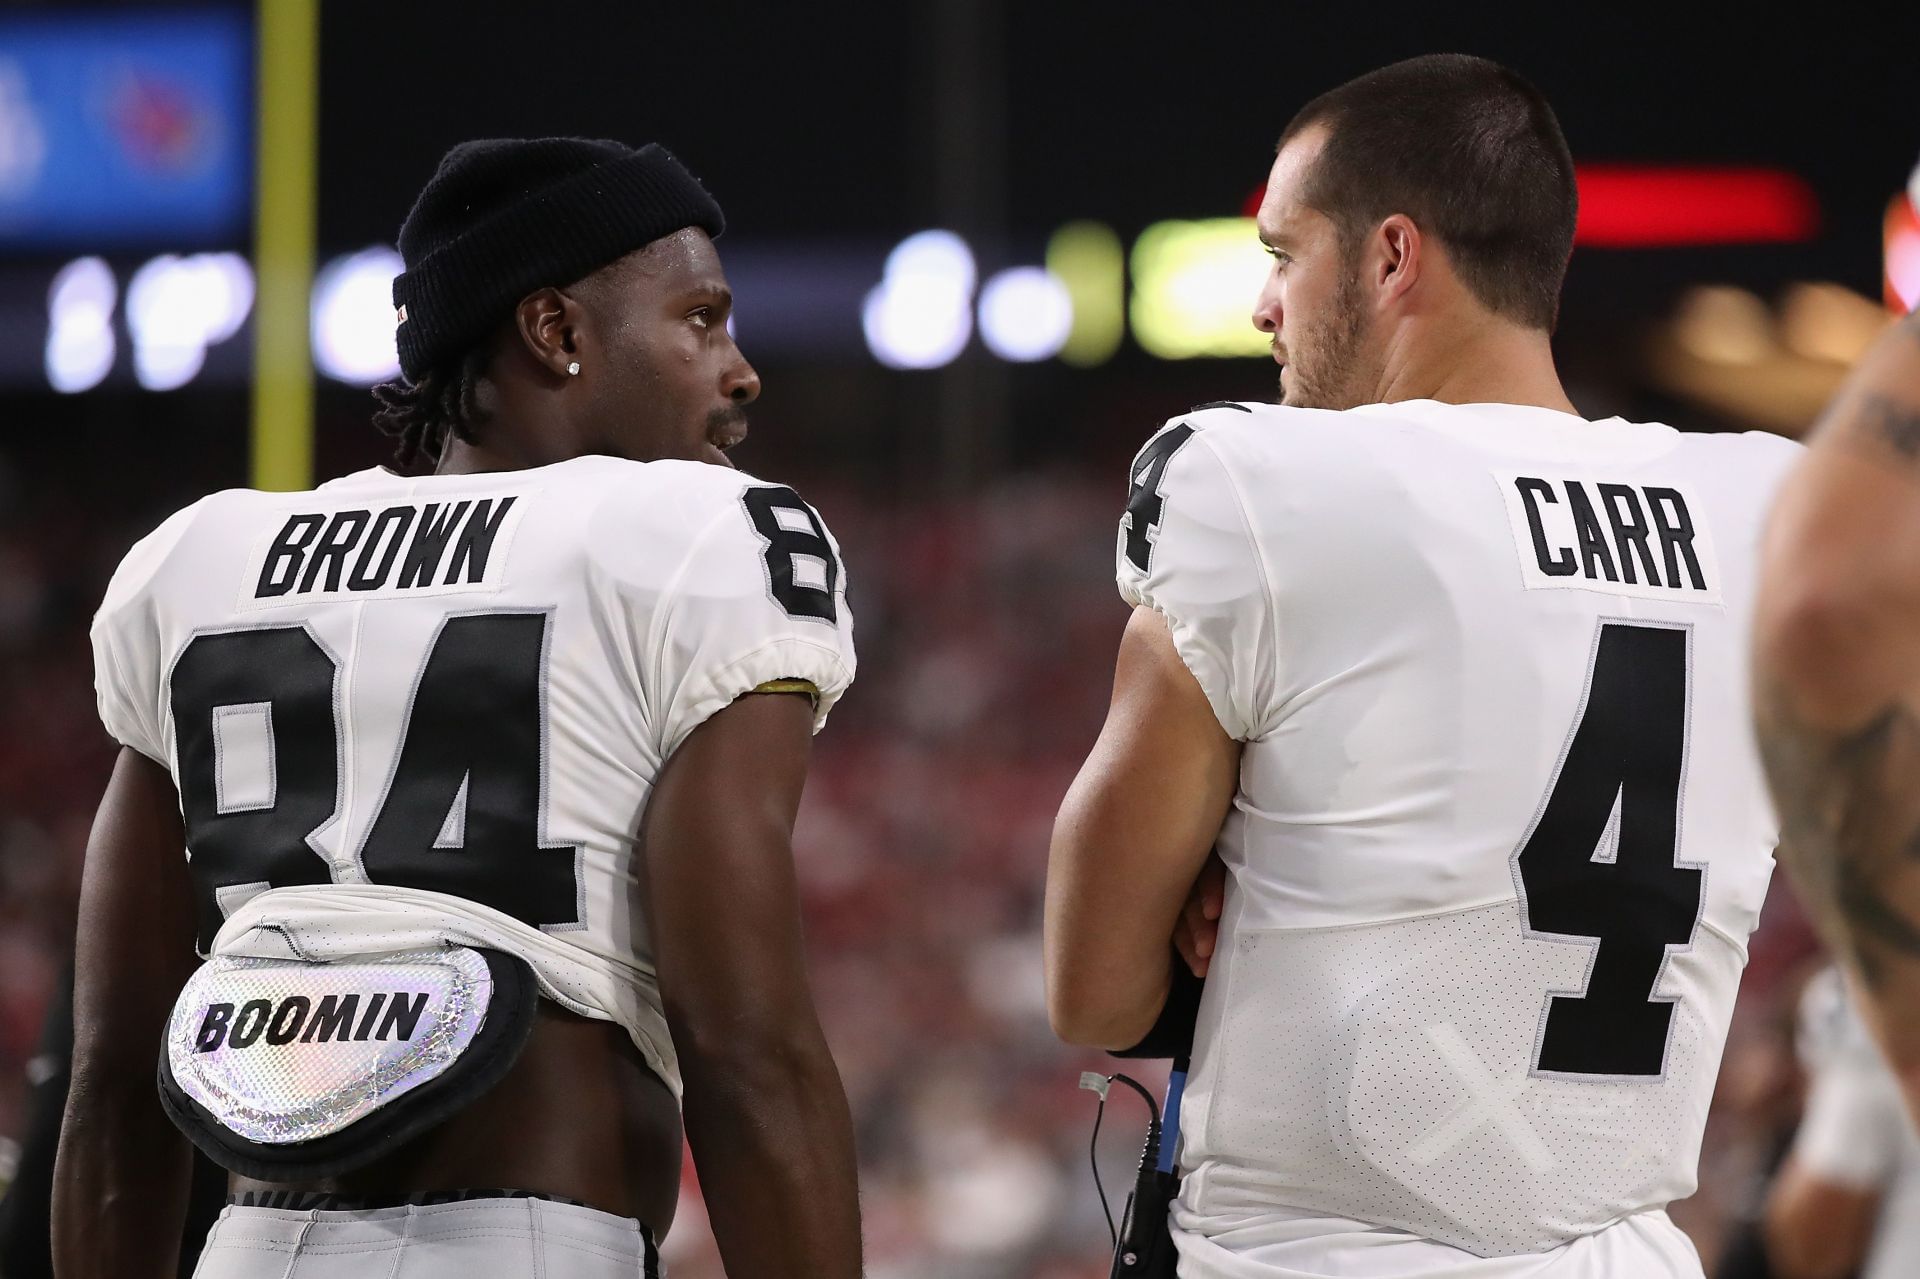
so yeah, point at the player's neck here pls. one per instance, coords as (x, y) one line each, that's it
(459, 457)
(1486, 361)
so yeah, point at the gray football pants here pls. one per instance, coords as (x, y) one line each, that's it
(468, 1239)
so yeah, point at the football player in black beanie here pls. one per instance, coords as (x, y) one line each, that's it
(531, 327)
(577, 670)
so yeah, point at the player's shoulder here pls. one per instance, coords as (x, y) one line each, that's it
(1190, 485)
(1755, 450)
(1420, 434)
(1223, 421)
(673, 480)
(1253, 442)
(228, 518)
(681, 500)
(1738, 473)
(653, 522)
(149, 557)
(1252, 428)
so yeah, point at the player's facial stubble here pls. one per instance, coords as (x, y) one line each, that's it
(1325, 354)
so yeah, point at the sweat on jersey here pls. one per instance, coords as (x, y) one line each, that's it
(1501, 831)
(406, 711)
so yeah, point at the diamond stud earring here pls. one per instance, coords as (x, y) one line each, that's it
(573, 368)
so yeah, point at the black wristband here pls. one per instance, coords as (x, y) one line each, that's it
(1172, 1034)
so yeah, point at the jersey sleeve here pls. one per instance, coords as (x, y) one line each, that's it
(1853, 1125)
(127, 657)
(759, 604)
(1855, 1119)
(1187, 551)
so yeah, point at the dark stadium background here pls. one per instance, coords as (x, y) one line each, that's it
(976, 500)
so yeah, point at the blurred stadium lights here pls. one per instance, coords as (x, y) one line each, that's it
(1903, 249)
(1026, 314)
(177, 307)
(1828, 322)
(1628, 206)
(80, 341)
(1719, 324)
(1088, 259)
(353, 322)
(1727, 351)
(920, 315)
(1194, 286)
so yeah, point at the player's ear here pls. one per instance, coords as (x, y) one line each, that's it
(1399, 245)
(548, 322)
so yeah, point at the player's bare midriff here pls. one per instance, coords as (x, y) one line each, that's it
(578, 1116)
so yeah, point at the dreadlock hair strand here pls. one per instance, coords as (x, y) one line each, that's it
(444, 403)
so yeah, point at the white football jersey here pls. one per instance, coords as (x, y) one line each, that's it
(404, 711)
(1501, 831)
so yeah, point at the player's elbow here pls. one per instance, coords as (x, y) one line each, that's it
(110, 1074)
(1093, 1028)
(1098, 995)
(1087, 1002)
(1088, 1010)
(761, 1050)
(762, 1093)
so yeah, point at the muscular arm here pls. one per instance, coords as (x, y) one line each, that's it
(765, 1111)
(1837, 684)
(121, 1178)
(1131, 837)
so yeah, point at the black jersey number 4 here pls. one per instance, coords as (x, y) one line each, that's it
(1620, 778)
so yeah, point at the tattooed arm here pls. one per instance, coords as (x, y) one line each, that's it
(1837, 684)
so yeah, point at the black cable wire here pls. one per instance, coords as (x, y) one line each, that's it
(1093, 1157)
(1153, 1106)
(1093, 1146)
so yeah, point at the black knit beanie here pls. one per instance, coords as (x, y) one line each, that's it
(502, 217)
